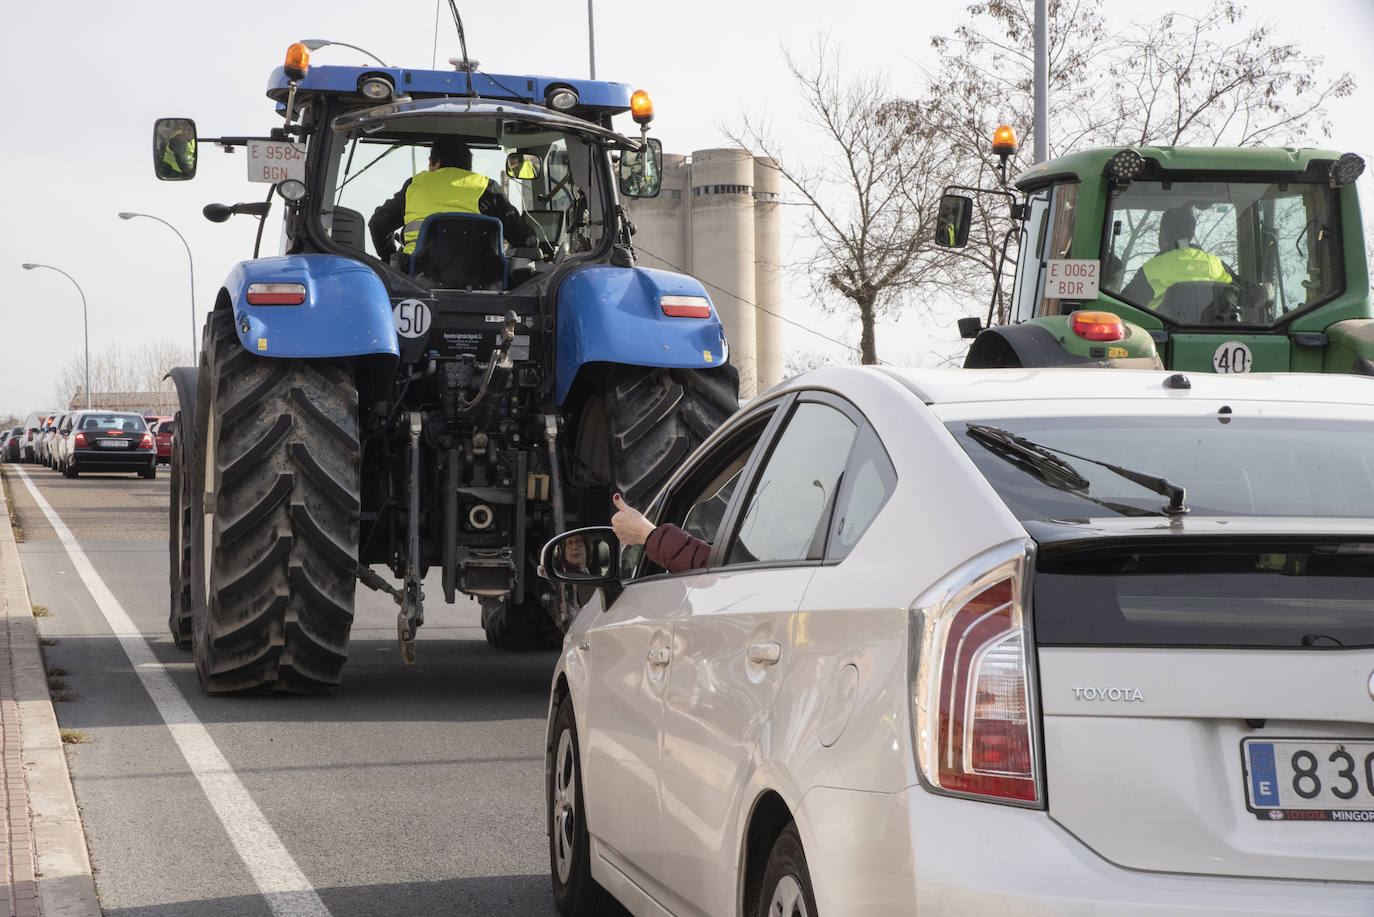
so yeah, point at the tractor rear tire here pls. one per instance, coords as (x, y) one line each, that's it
(654, 419)
(274, 554)
(524, 626)
(179, 541)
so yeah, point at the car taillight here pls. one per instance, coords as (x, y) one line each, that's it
(80, 438)
(147, 441)
(971, 695)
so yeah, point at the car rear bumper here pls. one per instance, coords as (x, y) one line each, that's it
(877, 854)
(109, 460)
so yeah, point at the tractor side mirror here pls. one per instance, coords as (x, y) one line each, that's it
(969, 327)
(174, 149)
(523, 166)
(952, 221)
(641, 170)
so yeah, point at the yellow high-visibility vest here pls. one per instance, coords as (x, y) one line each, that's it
(446, 190)
(1181, 265)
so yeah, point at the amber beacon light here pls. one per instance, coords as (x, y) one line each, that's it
(297, 61)
(641, 107)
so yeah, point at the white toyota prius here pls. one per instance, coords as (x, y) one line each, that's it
(1032, 642)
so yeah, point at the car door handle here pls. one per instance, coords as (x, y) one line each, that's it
(765, 653)
(660, 655)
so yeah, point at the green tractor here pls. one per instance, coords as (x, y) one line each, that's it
(1198, 259)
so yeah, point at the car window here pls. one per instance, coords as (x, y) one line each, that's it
(868, 482)
(1230, 465)
(699, 500)
(788, 510)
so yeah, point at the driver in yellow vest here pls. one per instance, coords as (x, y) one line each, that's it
(450, 186)
(1178, 261)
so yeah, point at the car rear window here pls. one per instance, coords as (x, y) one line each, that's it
(1279, 594)
(126, 423)
(1229, 465)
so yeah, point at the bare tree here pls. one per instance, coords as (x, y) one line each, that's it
(117, 369)
(871, 192)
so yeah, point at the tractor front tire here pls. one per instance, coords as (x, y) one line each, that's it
(274, 552)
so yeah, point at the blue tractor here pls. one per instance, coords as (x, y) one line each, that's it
(452, 403)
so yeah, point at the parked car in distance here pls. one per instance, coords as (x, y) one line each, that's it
(162, 432)
(107, 441)
(46, 433)
(985, 642)
(13, 437)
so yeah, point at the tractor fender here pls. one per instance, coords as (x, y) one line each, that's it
(1042, 342)
(346, 311)
(1350, 344)
(609, 314)
(1027, 344)
(185, 379)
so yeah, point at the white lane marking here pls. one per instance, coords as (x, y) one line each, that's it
(287, 890)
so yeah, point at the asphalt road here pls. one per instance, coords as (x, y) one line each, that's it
(412, 790)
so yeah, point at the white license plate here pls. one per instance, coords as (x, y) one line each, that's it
(1309, 779)
(115, 443)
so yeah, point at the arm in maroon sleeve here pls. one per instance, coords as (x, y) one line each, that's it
(674, 550)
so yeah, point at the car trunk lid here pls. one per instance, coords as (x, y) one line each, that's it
(1208, 701)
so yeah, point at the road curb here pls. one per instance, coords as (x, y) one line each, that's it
(66, 887)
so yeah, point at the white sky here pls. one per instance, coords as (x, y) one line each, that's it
(77, 150)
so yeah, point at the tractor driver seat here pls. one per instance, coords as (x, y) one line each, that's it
(461, 251)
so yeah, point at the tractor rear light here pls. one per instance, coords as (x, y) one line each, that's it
(376, 87)
(297, 63)
(563, 98)
(971, 694)
(685, 306)
(275, 294)
(1097, 326)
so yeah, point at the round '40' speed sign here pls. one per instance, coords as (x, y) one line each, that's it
(1232, 357)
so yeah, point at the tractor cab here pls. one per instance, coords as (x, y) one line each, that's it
(1229, 261)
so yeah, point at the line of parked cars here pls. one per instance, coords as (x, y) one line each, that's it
(91, 440)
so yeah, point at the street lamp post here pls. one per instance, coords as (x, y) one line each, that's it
(85, 326)
(314, 44)
(127, 215)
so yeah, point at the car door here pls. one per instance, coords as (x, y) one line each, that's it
(628, 655)
(732, 644)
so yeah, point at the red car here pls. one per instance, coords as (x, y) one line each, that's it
(162, 435)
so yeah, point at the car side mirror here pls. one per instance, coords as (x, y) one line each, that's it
(524, 166)
(641, 171)
(589, 556)
(174, 149)
(953, 220)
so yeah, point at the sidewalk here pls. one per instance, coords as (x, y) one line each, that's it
(44, 868)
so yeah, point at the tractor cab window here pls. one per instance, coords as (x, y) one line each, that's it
(1205, 253)
(534, 194)
(1046, 235)
(1030, 261)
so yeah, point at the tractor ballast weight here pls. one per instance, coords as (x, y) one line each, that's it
(431, 407)
(1208, 260)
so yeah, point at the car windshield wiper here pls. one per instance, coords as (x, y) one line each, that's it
(1044, 462)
